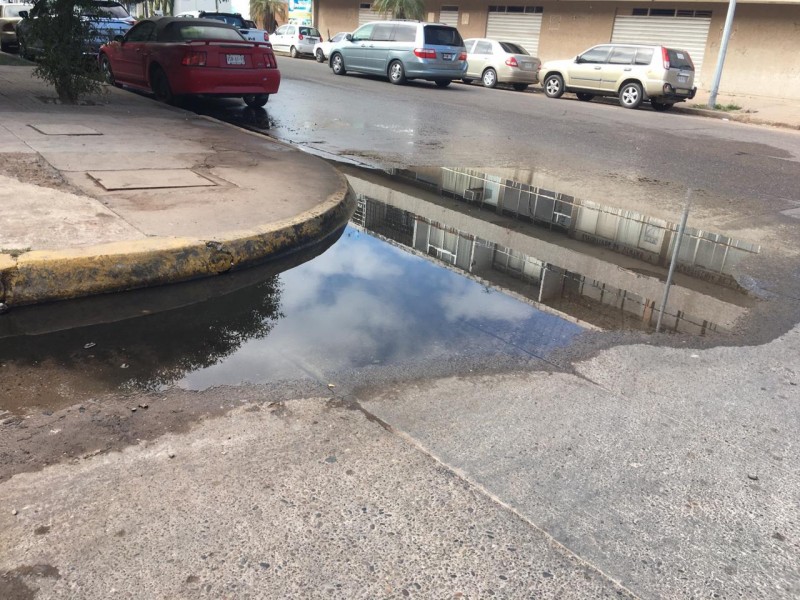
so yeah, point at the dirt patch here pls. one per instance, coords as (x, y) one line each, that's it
(33, 169)
(13, 585)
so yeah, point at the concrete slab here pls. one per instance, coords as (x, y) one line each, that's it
(64, 129)
(141, 179)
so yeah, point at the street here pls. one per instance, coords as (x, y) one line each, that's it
(412, 408)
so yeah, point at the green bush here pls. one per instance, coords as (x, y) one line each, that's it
(57, 26)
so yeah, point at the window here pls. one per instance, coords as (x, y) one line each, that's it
(644, 56)
(141, 33)
(309, 31)
(405, 33)
(281, 30)
(449, 9)
(382, 32)
(512, 48)
(438, 35)
(363, 33)
(678, 59)
(595, 55)
(622, 56)
(191, 31)
(483, 48)
(338, 37)
(516, 9)
(670, 12)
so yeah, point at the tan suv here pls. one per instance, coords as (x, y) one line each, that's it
(632, 72)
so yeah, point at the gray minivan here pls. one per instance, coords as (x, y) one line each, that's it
(402, 50)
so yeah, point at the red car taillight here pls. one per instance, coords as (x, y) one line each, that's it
(512, 62)
(270, 62)
(194, 59)
(665, 57)
(462, 56)
(299, 36)
(424, 53)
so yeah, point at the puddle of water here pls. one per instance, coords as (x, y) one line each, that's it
(363, 302)
(598, 263)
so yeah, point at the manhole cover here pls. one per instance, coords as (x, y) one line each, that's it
(65, 129)
(141, 179)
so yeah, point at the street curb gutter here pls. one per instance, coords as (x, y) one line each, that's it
(44, 276)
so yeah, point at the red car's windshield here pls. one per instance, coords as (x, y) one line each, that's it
(183, 32)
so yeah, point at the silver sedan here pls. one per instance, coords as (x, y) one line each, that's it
(494, 62)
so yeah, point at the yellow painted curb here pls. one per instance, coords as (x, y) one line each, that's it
(44, 276)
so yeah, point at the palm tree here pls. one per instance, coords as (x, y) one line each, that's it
(265, 11)
(401, 9)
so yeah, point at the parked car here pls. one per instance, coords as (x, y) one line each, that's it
(296, 39)
(322, 50)
(633, 73)
(247, 28)
(9, 17)
(494, 62)
(402, 50)
(174, 57)
(105, 18)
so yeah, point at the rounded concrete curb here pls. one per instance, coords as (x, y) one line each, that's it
(43, 276)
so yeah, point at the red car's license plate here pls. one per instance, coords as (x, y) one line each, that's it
(234, 59)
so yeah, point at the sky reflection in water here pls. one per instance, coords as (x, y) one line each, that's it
(366, 302)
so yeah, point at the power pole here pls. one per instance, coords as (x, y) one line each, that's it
(723, 49)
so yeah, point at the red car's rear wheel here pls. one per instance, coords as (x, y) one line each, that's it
(159, 83)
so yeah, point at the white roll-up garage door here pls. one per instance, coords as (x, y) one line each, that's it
(449, 15)
(367, 15)
(520, 27)
(686, 33)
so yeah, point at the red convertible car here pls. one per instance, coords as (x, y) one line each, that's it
(175, 57)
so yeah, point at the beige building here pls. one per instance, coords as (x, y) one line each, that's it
(763, 52)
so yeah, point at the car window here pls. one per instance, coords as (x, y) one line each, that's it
(622, 56)
(483, 48)
(644, 56)
(595, 55)
(280, 30)
(678, 59)
(250, 24)
(363, 33)
(290, 30)
(234, 20)
(338, 37)
(440, 35)
(382, 32)
(141, 32)
(405, 33)
(178, 32)
(512, 48)
(105, 10)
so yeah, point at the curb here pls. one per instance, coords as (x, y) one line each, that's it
(45, 276)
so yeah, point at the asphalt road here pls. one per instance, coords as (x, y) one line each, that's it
(367, 118)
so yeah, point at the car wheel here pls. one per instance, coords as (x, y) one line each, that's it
(630, 95)
(661, 106)
(319, 55)
(255, 100)
(337, 64)
(397, 74)
(443, 82)
(554, 86)
(489, 78)
(467, 80)
(159, 83)
(105, 70)
(520, 87)
(293, 52)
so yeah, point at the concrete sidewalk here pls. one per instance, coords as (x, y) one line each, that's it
(122, 192)
(758, 110)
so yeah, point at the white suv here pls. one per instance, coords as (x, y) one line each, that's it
(631, 72)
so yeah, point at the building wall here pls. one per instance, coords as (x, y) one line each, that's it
(762, 52)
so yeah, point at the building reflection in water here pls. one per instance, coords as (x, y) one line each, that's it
(600, 264)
